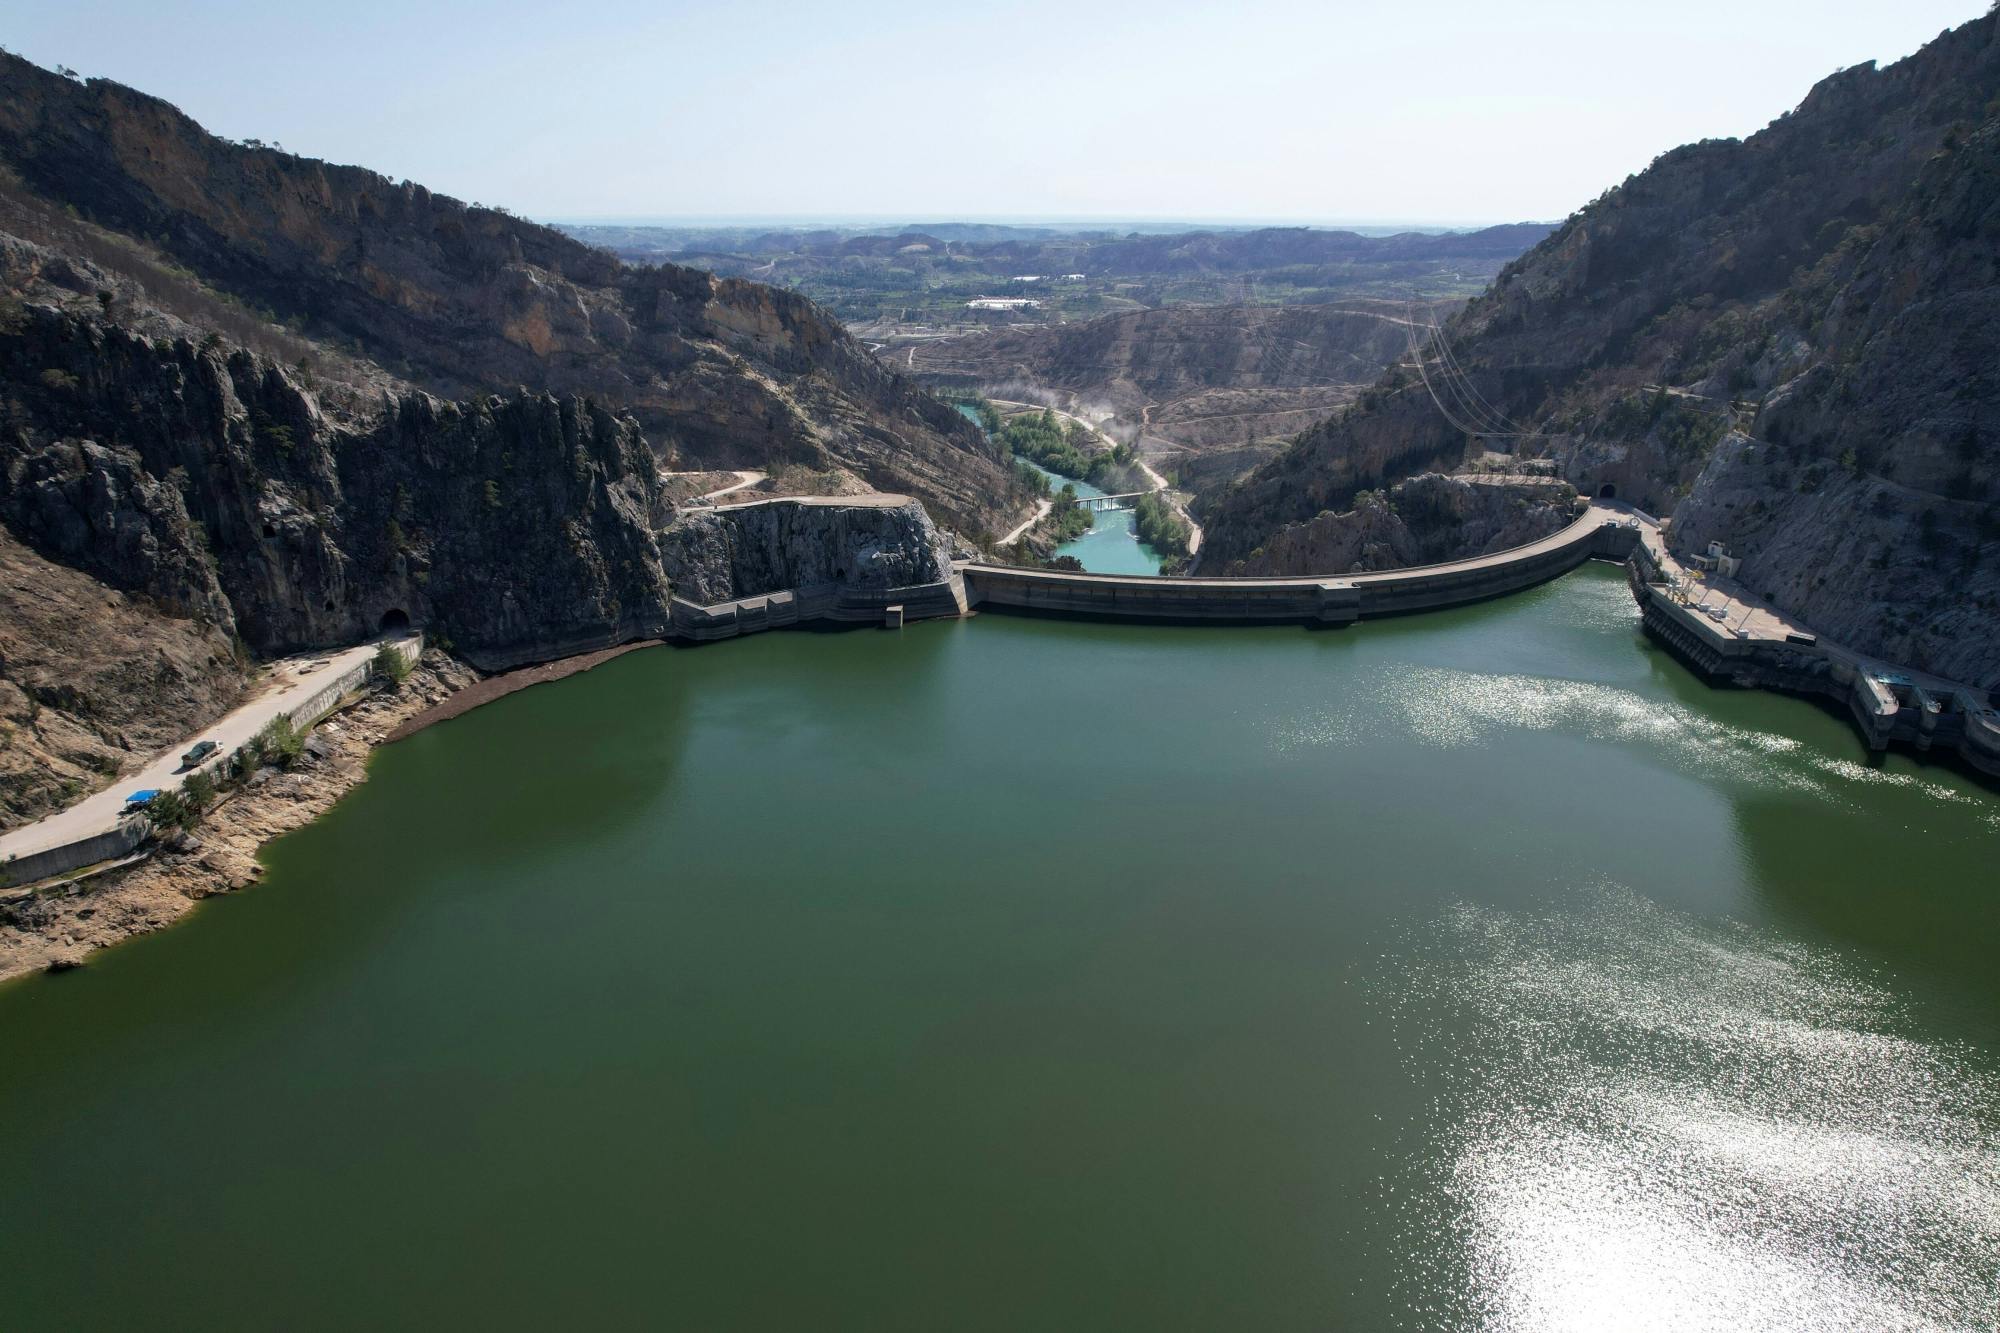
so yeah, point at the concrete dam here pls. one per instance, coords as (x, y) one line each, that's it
(1603, 531)
(1887, 705)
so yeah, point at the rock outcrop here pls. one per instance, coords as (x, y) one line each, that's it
(211, 482)
(1421, 521)
(720, 555)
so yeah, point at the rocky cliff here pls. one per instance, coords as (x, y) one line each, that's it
(1784, 342)
(720, 555)
(462, 300)
(170, 510)
(1422, 520)
(211, 483)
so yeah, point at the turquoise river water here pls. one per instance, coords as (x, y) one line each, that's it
(1474, 970)
(1112, 545)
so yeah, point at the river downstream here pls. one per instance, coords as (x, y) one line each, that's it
(1112, 545)
(1481, 969)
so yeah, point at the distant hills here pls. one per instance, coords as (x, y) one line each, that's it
(928, 273)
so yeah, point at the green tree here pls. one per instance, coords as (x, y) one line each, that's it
(390, 665)
(280, 744)
(172, 810)
(199, 791)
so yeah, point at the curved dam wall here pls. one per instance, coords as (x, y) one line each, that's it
(1601, 532)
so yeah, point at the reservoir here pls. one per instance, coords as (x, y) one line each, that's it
(1481, 969)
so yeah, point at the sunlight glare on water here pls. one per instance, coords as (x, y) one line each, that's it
(1447, 709)
(1656, 1123)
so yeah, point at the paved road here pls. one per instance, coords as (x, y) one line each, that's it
(287, 684)
(744, 480)
(869, 500)
(1042, 508)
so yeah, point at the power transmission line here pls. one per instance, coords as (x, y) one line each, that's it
(1488, 419)
(1508, 426)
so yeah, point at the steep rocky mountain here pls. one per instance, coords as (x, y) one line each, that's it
(173, 509)
(211, 482)
(1785, 342)
(461, 300)
(252, 404)
(1209, 386)
(1430, 518)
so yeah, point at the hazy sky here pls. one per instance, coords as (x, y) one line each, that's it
(1316, 110)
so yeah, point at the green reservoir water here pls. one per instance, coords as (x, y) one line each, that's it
(1474, 970)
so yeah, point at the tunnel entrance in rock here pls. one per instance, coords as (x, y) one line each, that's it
(394, 621)
(1607, 492)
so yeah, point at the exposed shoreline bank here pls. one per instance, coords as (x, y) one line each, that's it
(58, 926)
(488, 688)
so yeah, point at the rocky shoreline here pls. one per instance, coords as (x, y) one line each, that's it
(54, 929)
(485, 690)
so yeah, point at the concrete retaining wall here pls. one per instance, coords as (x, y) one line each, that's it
(328, 698)
(120, 841)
